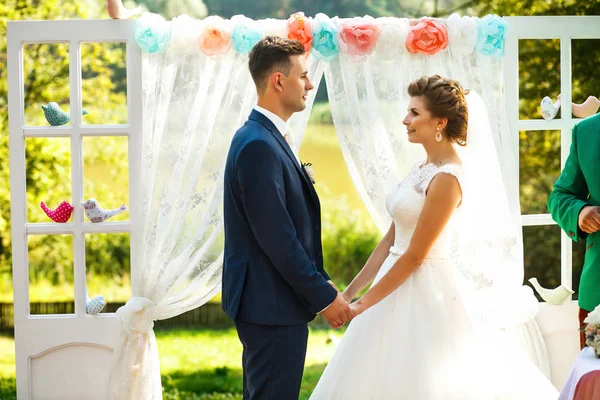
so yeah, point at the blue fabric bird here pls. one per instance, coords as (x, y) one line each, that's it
(55, 116)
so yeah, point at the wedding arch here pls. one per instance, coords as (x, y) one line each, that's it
(189, 89)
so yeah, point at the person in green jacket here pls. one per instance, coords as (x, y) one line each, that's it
(574, 204)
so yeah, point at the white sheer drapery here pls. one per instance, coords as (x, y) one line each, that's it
(368, 100)
(192, 106)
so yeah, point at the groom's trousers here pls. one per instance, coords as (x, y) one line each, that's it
(273, 360)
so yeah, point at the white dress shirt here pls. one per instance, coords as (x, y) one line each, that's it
(281, 126)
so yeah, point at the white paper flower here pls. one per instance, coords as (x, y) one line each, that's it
(274, 27)
(462, 34)
(593, 317)
(184, 34)
(392, 37)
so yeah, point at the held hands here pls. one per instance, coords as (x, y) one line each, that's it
(589, 219)
(338, 312)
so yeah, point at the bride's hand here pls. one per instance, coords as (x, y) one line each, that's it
(357, 308)
(347, 296)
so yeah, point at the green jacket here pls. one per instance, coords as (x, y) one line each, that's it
(578, 186)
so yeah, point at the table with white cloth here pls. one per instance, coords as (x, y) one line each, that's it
(584, 379)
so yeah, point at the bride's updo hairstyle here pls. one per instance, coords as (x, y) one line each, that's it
(445, 98)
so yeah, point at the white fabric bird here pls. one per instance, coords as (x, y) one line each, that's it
(549, 109)
(97, 214)
(555, 296)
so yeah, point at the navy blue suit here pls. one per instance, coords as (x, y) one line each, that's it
(273, 277)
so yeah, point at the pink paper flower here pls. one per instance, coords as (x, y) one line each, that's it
(299, 29)
(358, 37)
(427, 37)
(214, 38)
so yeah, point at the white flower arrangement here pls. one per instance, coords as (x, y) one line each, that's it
(592, 330)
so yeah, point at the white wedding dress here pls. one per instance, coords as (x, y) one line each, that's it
(418, 343)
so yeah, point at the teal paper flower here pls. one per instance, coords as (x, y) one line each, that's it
(245, 34)
(325, 44)
(152, 33)
(491, 32)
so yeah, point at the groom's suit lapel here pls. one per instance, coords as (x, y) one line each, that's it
(266, 122)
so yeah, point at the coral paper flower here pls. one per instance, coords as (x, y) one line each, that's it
(299, 29)
(427, 37)
(214, 38)
(358, 37)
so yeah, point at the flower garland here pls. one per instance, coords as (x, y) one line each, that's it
(324, 38)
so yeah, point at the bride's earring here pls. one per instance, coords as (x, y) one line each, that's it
(438, 135)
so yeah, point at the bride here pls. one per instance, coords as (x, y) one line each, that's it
(429, 328)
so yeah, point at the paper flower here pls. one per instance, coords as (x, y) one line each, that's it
(392, 38)
(244, 34)
(274, 27)
(215, 38)
(152, 33)
(62, 213)
(184, 34)
(56, 116)
(491, 31)
(427, 37)
(462, 34)
(325, 44)
(97, 214)
(299, 29)
(358, 37)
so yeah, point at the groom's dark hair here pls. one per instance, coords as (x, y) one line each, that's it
(272, 54)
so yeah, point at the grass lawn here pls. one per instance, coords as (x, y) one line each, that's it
(198, 365)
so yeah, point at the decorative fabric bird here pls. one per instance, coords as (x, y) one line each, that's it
(117, 11)
(95, 305)
(552, 296)
(549, 109)
(97, 214)
(62, 213)
(587, 108)
(56, 116)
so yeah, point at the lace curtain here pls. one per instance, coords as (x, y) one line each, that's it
(192, 106)
(368, 100)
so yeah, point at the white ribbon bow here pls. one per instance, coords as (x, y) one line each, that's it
(137, 320)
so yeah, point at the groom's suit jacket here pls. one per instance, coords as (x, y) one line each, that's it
(578, 186)
(273, 263)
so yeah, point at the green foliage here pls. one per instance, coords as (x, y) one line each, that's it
(348, 240)
(321, 114)
(48, 160)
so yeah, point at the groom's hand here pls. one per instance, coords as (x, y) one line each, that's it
(338, 312)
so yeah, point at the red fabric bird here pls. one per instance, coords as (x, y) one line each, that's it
(62, 213)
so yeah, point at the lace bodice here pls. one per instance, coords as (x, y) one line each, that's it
(405, 202)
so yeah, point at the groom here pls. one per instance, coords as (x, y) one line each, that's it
(273, 277)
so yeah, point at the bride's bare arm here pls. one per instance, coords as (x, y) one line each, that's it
(443, 196)
(372, 266)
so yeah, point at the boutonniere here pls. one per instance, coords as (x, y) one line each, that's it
(309, 171)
